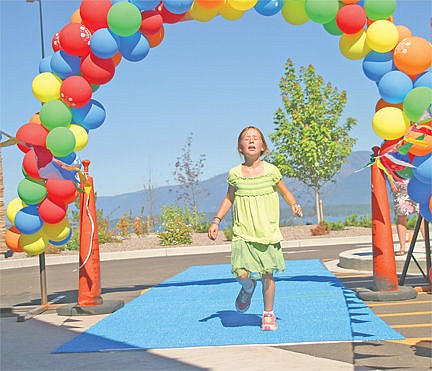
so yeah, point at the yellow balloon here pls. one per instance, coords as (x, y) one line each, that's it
(382, 36)
(46, 86)
(12, 209)
(390, 123)
(81, 136)
(229, 13)
(294, 12)
(57, 232)
(354, 46)
(202, 14)
(34, 244)
(242, 5)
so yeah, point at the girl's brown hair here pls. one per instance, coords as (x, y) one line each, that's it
(261, 135)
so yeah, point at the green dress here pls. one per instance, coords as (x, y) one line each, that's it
(256, 234)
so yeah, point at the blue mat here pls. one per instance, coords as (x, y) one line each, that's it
(196, 308)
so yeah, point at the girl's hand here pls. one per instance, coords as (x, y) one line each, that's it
(394, 188)
(297, 210)
(213, 231)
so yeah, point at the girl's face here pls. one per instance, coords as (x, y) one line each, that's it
(251, 143)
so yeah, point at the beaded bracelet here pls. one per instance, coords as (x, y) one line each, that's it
(216, 217)
(213, 222)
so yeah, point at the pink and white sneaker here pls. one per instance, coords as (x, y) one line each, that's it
(269, 322)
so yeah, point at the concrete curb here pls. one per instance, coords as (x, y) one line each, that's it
(173, 251)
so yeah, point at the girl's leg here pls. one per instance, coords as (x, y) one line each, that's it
(245, 281)
(244, 297)
(401, 231)
(268, 289)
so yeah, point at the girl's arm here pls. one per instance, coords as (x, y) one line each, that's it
(289, 198)
(223, 209)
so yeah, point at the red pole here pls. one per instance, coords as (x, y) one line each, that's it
(89, 290)
(384, 264)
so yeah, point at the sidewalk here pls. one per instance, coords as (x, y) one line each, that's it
(172, 251)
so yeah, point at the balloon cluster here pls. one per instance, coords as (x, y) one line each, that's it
(103, 32)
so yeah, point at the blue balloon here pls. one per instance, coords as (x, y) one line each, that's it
(425, 79)
(268, 7)
(65, 65)
(423, 169)
(425, 211)
(69, 159)
(376, 65)
(394, 86)
(27, 220)
(45, 64)
(90, 116)
(104, 43)
(134, 48)
(177, 6)
(62, 242)
(145, 4)
(418, 191)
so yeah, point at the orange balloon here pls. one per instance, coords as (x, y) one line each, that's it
(382, 103)
(350, 1)
(35, 119)
(76, 17)
(212, 3)
(418, 149)
(430, 204)
(117, 58)
(12, 239)
(404, 32)
(413, 55)
(156, 38)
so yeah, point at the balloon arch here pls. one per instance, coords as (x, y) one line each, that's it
(103, 32)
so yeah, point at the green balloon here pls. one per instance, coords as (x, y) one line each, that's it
(332, 28)
(55, 113)
(416, 102)
(322, 11)
(379, 9)
(406, 173)
(31, 192)
(60, 141)
(124, 19)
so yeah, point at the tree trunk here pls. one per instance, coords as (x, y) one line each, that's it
(2, 209)
(317, 205)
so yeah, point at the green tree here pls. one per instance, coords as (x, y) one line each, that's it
(309, 143)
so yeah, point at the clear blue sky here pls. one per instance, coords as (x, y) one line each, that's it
(210, 79)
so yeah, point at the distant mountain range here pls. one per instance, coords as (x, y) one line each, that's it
(350, 192)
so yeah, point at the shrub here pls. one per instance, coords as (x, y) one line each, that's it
(320, 229)
(228, 232)
(335, 226)
(176, 230)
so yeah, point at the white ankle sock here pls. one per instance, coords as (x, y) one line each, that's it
(268, 312)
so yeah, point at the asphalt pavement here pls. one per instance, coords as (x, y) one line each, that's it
(28, 345)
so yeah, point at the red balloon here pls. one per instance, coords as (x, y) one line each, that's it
(61, 191)
(31, 134)
(32, 162)
(351, 18)
(94, 13)
(169, 17)
(151, 22)
(55, 43)
(75, 39)
(97, 70)
(75, 91)
(51, 212)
